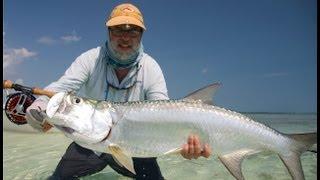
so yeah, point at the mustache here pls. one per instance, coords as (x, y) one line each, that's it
(124, 42)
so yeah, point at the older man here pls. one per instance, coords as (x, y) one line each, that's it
(121, 71)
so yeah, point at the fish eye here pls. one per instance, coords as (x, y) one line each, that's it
(76, 100)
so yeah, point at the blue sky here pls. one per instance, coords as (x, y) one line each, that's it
(263, 52)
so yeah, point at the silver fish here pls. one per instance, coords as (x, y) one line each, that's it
(159, 128)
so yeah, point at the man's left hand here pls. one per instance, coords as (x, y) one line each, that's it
(193, 149)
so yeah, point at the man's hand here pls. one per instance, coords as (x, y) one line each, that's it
(193, 148)
(36, 115)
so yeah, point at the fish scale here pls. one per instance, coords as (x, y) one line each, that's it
(159, 128)
(202, 118)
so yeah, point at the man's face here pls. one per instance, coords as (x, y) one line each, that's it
(125, 40)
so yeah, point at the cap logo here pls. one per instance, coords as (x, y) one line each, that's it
(127, 9)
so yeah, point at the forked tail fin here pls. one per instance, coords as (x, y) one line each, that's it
(307, 139)
(292, 160)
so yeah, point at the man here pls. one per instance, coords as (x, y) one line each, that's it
(119, 70)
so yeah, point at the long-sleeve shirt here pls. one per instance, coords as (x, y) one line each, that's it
(91, 76)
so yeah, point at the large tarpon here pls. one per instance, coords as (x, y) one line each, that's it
(157, 128)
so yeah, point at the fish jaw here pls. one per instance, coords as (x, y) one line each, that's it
(78, 118)
(65, 129)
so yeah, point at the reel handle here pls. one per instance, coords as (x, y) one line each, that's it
(7, 84)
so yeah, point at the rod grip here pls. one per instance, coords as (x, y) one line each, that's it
(7, 84)
(38, 91)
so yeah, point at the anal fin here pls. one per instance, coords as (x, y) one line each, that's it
(121, 157)
(293, 164)
(232, 161)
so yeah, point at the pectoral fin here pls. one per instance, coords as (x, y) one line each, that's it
(173, 151)
(121, 157)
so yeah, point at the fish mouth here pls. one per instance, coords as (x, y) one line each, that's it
(65, 129)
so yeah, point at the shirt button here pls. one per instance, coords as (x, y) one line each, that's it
(144, 175)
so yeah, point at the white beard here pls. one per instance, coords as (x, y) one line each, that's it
(123, 56)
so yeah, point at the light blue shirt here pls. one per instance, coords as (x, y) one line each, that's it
(91, 76)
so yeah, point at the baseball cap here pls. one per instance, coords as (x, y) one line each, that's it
(125, 14)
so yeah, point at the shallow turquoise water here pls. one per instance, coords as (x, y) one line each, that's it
(30, 155)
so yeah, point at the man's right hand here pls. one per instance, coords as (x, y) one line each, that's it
(194, 149)
(35, 115)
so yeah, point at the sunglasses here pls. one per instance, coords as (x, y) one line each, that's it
(132, 32)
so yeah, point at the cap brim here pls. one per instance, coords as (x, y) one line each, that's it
(124, 20)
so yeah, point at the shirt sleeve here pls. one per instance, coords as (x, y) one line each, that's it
(76, 75)
(157, 89)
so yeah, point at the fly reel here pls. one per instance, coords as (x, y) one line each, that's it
(16, 106)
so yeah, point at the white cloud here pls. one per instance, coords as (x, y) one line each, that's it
(71, 38)
(46, 40)
(23, 53)
(276, 74)
(13, 56)
(16, 56)
(204, 70)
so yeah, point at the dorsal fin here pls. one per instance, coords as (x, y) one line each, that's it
(204, 94)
